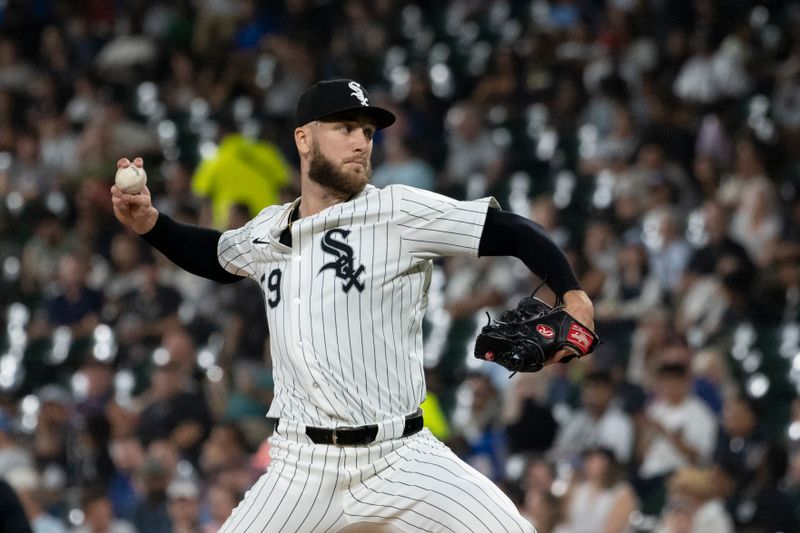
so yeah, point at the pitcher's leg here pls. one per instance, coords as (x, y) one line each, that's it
(423, 486)
(297, 493)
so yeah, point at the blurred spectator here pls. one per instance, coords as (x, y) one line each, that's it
(761, 503)
(184, 506)
(677, 430)
(27, 484)
(694, 505)
(539, 504)
(474, 161)
(600, 500)
(601, 248)
(293, 73)
(543, 510)
(15, 72)
(403, 167)
(530, 426)
(178, 200)
(501, 81)
(75, 305)
(127, 455)
(98, 516)
(756, 222)
(248, 402)
(181, 355)
(215, 26)
(220, 504)
(663, 181)
(170, 410)
(11, 453)
(129, 273)
(543, 211)
(619, 144)
(633, 292)
(225, 447)
(598, 423)
(710, 75)
(477, 433)
(719, 246)
(84, 101)
(42, 253)
(150, 512)
(59, 145)
(749, 166)
(147, 311)
(669, 251)
(260, 171)
(741, 445)
(713, 149)
(51, 438)
(28, 174)
(422, 113)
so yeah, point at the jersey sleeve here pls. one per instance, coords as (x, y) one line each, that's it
(236, 252)
(432, 225)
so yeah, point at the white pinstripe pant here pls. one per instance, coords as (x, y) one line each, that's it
(414, 483)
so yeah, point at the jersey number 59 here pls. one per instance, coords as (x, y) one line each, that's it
(274, 286)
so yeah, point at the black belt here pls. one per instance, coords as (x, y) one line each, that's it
(361, 435)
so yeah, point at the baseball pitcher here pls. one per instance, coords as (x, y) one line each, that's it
(345, 271)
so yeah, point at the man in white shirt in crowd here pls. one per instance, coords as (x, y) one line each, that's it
(600, 422)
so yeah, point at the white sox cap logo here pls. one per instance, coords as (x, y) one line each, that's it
(358, 92)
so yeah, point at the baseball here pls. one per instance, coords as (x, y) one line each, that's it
(130, 179)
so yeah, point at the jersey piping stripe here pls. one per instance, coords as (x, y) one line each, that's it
(438, 242)
(460, 234)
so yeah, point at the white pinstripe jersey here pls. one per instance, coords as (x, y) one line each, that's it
(345, 303)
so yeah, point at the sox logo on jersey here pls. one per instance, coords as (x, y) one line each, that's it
(343, 265)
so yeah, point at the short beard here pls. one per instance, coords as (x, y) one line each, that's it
(322, 171)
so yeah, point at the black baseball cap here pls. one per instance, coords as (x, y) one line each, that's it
(331, 97)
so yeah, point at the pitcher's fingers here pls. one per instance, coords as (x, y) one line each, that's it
(119, 202)
(123, 163)
(137, 200)
(138, 162)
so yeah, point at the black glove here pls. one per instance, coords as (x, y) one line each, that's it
(523, 339)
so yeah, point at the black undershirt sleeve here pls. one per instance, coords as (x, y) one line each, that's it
(192, 248)
(505, 233)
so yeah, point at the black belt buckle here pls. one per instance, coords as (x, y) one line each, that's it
(361, 435)
(353, 436)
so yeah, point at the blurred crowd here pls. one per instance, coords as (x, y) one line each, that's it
(656, 142)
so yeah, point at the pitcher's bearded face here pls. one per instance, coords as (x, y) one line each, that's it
(348, 177)
(341, 150)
